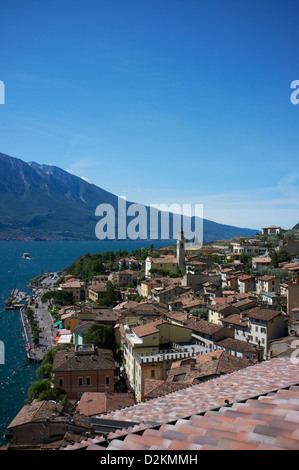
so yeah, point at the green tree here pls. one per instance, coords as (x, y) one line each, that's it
(44, 370)
(37, 388)
(95, 335)
(274, 259)
(283, 256)
(111, 295)
(101, 336)
(59, 297)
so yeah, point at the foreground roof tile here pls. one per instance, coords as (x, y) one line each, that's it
(256, 408)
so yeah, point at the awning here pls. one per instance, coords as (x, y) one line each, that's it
(65, 339)
(63, 331)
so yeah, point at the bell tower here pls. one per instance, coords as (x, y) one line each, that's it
(180, 252)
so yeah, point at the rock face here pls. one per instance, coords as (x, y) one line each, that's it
(44, 202)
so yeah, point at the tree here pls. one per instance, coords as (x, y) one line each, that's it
(37, 388)
(50, 354)
(283, 256)
(111, 295)
(44, 370)
(95, 335)
(274, 259)
(101, 336)
(60, 297)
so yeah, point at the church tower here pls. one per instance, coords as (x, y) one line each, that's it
(180, 251)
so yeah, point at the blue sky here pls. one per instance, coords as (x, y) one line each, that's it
(163, 101)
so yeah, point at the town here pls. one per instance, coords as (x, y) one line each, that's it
(117, 330)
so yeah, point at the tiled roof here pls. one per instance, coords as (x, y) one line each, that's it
(147, 329)
(226, 308)
(164, 259)
(204, 326)
(237, 345)
(245, 303)
(235, 319)
(36, 411)
(156, 388)
(262, 313)
(254, 408)
(93, 403)
(245, 277)
(267, 278)
(82, 327)
(200, 368)
(101, 359)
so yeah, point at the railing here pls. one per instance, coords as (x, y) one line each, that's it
(162, 356)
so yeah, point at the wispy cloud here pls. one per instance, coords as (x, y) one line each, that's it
(78, 166)
(248, 207)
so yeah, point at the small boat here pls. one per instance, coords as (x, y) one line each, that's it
(26, 255)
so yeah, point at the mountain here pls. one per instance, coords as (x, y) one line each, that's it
(44, 202)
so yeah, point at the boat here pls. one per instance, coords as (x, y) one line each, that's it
(26, 255)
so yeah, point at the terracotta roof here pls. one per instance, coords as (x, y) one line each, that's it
(98, 287)
(72, 284)
(266, 278)
(164, 259)
(94, 403)
(36, 411)
(237, 345)
(254, 408)
(225, 307)
(101, 359)
(244, 277)
(223, 300)
(262, 313)
(147, 329)
(245, 303)
(235, 319)
(204, 326)
(199, 368)
(262, 260)
(158, 388)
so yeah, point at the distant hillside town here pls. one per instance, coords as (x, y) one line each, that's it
(130, 327)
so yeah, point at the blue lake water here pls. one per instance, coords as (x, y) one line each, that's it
(17, 373)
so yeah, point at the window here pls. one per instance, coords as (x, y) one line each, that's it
(153, 372)
(60, 382)
(107, 380)
(80, 381)
(88, 381)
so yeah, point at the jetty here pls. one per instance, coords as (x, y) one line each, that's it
(16, 300)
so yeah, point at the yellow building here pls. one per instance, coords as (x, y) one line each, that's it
(147, 285)
(163, 264)
(148, 351)
(76, 287)
(96, 291)
(216, 312)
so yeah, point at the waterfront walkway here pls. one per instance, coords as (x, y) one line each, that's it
(47, 330)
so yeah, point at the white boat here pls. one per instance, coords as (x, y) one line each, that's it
(26, 255)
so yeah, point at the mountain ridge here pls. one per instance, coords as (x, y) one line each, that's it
(45, 202)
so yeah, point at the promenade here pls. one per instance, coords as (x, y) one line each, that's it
(46, 327)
